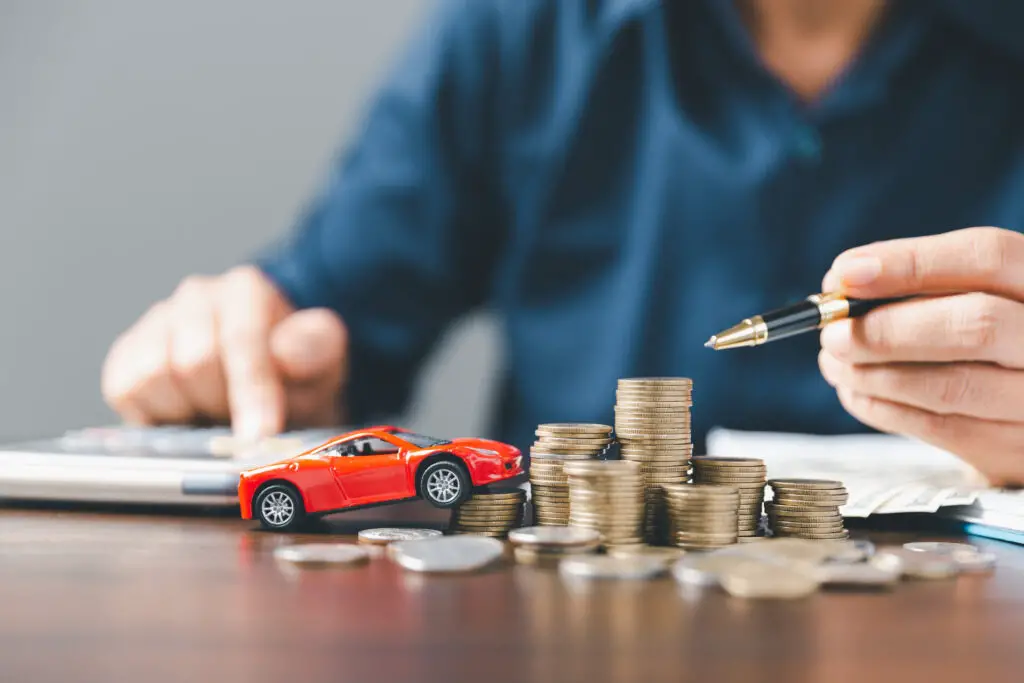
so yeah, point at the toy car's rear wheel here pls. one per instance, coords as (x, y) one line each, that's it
(445, 484)
(279, 508)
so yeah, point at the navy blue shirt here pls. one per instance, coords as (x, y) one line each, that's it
(619, 179)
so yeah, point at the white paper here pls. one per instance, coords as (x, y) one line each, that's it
(884, 474)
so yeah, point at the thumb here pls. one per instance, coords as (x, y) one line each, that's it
(309, 347)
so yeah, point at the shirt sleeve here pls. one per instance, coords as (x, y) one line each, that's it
(403, 237)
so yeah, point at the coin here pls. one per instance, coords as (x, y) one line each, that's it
(940, 547)
(781, 582)
(313, 555)
(544, 557)
(859, 574)
(387, 535)
(608, 567)
(554, 536)
(976, 562)
(561, 428)
(815, 484)
(447, 554)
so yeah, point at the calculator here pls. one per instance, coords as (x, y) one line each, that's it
(144, 465)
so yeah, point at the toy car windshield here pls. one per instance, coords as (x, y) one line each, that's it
(418, 440)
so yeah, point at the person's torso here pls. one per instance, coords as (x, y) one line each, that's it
(666, 186)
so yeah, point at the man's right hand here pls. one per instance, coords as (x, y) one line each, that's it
(229, 348)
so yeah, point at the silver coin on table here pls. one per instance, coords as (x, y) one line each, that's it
(940, 547)
(554, 536)
(781, 582)
(387, 535)
(857, 574)
(975, 562)
(464, 553)
(607, 567)
(917, 564)
(322, 554)
(850, 552)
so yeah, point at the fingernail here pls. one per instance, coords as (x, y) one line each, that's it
(857, 270)
(835, 338)
(250, 425)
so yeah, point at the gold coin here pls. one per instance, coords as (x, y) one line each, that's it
(730, 462)
(802, 484)
(559, 428)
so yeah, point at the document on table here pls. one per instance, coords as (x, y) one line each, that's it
(884, 474)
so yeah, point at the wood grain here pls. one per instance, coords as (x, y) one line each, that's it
(96, 596)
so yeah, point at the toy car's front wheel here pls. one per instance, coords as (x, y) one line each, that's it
(279, 508)
(445, 484)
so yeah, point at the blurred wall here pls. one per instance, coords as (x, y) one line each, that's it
(144, 140)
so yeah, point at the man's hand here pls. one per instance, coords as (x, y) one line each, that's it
(225, 348)
(948, 368)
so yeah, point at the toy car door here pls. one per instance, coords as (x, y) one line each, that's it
(372, 470)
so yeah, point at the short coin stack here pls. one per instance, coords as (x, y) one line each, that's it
(608, 497)
(702, 516)
(652, 424)
(746, 475)
(807, 508)
(556, 444)
(489, 513)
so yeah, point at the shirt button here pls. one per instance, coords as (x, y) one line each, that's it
(807, 144)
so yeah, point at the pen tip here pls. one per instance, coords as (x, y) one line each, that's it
(710, 343)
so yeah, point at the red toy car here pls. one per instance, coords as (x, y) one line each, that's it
(370, 467)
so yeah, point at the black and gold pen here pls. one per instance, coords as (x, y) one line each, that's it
(811, 314)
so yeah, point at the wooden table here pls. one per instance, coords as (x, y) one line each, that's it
(100, 596)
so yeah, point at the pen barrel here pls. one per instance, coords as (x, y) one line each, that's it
(792, 320)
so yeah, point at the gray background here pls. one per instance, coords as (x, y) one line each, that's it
(141, 141)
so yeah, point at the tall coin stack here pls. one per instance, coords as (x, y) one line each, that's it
(746, 475)
(556, 444)
(807, 508)
(608, 497)
(702, 516)
(489, 513)
(652, 424)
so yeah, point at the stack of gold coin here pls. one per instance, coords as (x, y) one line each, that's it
(746, 475)
(608, 497)
(556, 444)
(652, 424)
(807, 508)
(489, 513)
(702, 516)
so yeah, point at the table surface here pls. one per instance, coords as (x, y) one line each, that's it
(89, 595)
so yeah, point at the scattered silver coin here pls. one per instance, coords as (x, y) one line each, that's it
(975, 562)
(690, 575)
(768, 582)
(665, 554)
(389, 535)
(861, 574)
(850, 552)
(321, 554)
(940, 547)
(918, 564)
(606, 567)
(447, 554)
(554, 536)
(787, 550)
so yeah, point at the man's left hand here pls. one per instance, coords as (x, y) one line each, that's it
(948, 367)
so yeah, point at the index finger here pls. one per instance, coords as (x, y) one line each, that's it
(255, 388)
(971, 260)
